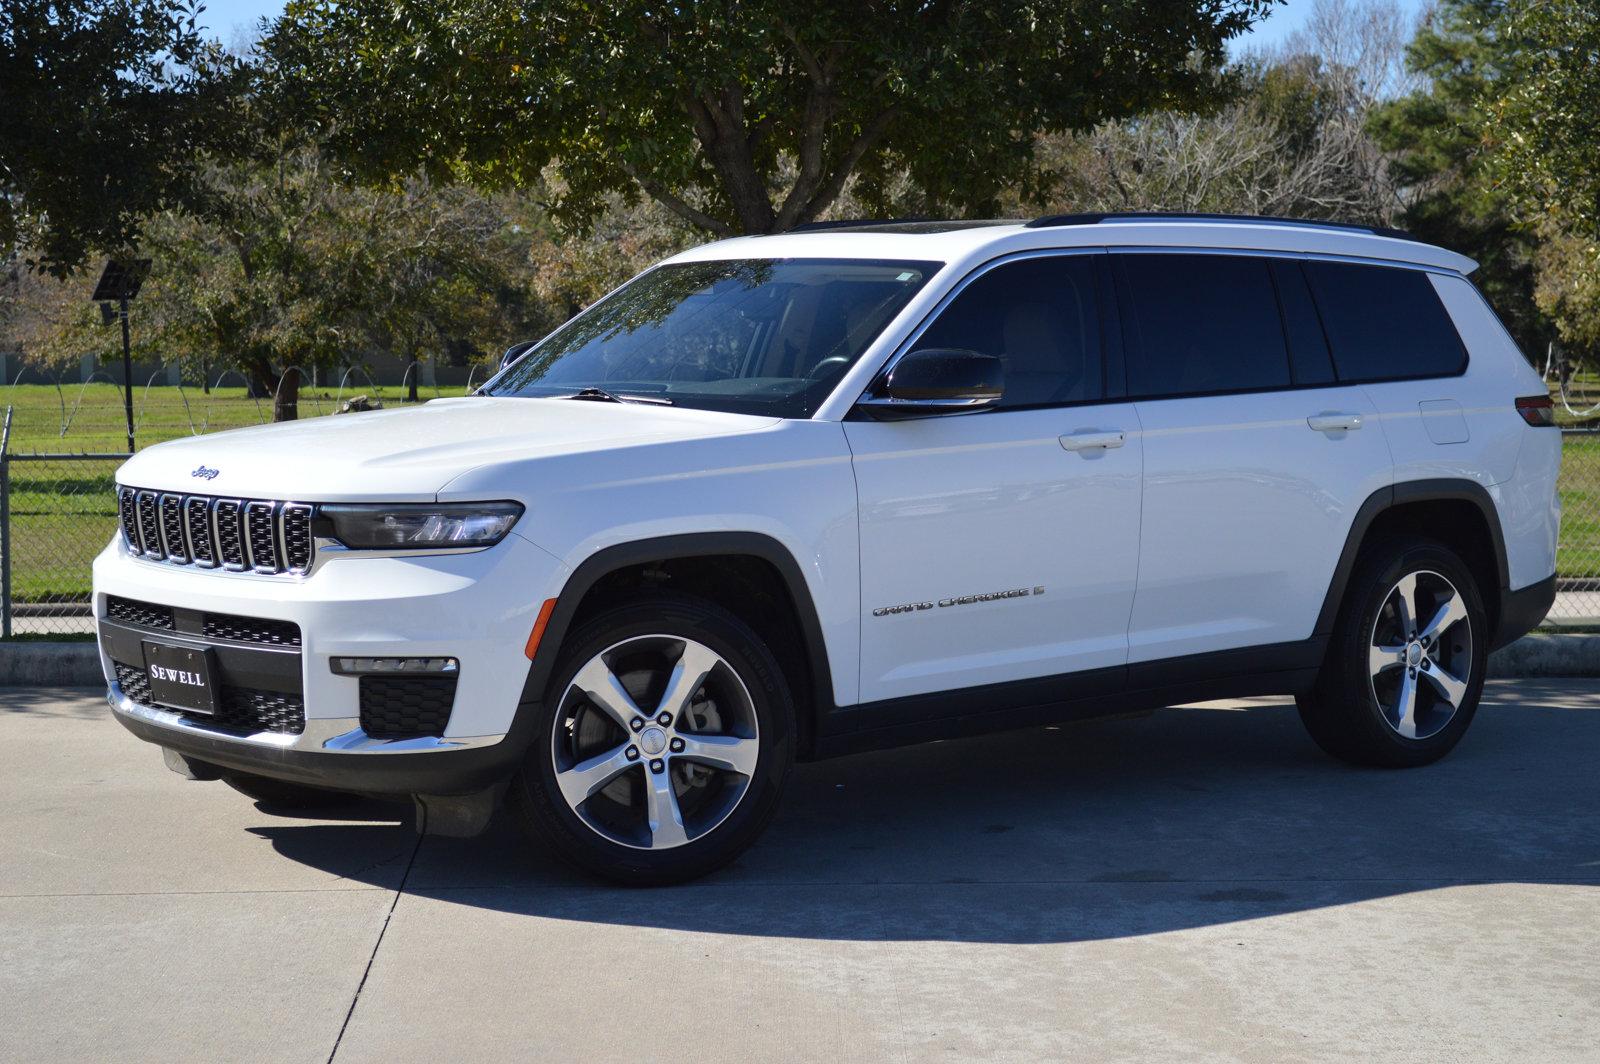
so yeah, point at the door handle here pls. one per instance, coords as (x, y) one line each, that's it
(1334, 422)
(1093, 441)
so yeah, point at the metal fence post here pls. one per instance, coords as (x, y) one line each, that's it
(5, 527)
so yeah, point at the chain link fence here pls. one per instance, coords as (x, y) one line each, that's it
(58, 511)
(1578, 552)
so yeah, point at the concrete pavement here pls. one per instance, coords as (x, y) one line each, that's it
(1200, 884)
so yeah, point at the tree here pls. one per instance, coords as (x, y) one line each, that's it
(1435, 137)
(1291, 142)
(292, 269)
(1545, 131)
(748, 116)
(107, 106)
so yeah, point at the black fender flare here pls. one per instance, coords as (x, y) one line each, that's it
(1400, 494)
(668, 548)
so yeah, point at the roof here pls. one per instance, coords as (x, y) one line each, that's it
(976, 241)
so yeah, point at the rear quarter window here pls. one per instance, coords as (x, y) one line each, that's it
(1384, 322)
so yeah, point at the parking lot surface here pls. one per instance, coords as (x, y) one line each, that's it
(1198, 884)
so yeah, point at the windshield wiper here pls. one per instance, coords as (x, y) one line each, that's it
(600, 395)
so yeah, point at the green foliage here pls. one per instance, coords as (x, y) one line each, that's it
(1545, 129)
(748, 117)
(1435, 137)
(107, 105)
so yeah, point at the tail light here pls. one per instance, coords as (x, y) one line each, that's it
(1537, 410)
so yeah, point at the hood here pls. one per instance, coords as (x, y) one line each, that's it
(409, 453)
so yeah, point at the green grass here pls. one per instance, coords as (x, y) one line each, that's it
(79, 418)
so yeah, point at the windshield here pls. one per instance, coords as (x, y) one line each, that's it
(751, 336)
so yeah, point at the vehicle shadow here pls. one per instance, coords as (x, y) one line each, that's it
(1190, 817)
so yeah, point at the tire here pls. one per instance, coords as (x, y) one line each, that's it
(1357, 710)
(614, 820)
(279, 794)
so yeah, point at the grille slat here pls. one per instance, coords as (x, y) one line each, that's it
(261, 529)
(149, 524)
(230, 541)
(197, 516)
(171, 511)
(297, 543)
(127, 508)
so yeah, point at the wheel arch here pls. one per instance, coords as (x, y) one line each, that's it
(806, 665)
(1459, 513)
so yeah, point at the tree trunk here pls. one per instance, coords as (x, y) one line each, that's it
(286, 399)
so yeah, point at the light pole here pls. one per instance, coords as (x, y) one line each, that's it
(119, 283)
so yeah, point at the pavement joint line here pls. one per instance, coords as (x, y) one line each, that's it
(194, 893)
(355, 999)
(1576, 881)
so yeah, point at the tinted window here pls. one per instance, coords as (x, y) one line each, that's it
(1039, 317)
(1384, 323)
(1308, 347)
(757, 336)
(1201, 324)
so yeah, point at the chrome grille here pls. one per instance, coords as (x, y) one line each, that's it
(238, 534)
(261, 532)
(230, 541)
(130, 518)
(197, 518)
(172, 532)
(149, 526)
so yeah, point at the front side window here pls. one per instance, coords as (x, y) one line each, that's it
(1039, 317)
(1201, 325)
(752, 336)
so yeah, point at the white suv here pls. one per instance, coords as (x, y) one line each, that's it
(795, 496)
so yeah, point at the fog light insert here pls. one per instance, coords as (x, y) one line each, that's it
(394, 666)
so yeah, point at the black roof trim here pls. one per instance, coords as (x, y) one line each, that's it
(1051, 220)
(901, 225)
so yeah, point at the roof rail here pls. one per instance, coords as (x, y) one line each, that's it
(1051, 220)
(854, 223)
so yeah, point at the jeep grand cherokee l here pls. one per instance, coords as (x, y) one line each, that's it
(787, 497)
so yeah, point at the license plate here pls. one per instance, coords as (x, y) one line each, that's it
(181, 677)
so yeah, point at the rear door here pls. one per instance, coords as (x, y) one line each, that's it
(1002, 545)
(1256, 460)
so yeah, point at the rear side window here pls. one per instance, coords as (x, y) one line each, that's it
(1040, 317)
(1384, 322)
(1201, 325)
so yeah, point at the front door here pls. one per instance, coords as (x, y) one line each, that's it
(1003, 545)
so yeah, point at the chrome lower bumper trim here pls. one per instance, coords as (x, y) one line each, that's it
(340, 735)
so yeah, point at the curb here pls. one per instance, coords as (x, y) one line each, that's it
(1547, 655)
(32, 664)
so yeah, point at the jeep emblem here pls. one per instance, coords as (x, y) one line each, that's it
(207, 474)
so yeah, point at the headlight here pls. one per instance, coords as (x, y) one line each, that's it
(385, 526)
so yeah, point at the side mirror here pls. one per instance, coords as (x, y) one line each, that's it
(516, 351)
(938, 380)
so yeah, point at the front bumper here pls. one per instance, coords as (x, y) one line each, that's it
(476, 607)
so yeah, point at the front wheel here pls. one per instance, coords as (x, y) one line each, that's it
(663, 743)
(1405, 667)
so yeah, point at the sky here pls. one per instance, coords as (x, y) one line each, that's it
(230, 18)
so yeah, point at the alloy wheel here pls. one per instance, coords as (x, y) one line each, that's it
(1419, 657)
(655, 743)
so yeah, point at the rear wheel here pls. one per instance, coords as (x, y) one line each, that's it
(1405, 668)
(278, 794)
(662, 746)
